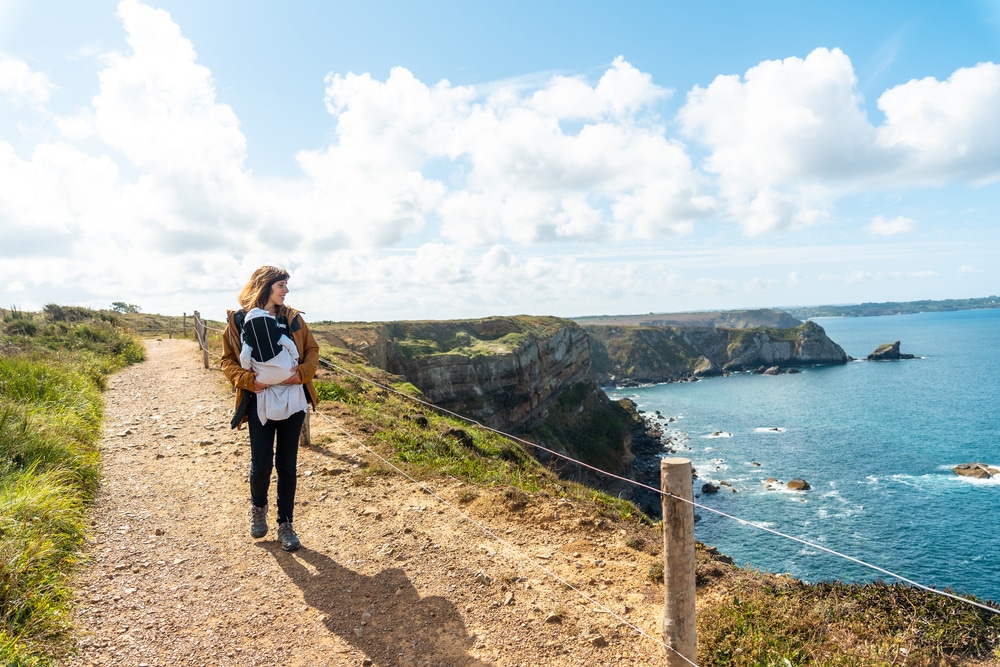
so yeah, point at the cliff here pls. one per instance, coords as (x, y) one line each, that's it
(641, 354)
(525, 375)
(539, 376)
(505, 371)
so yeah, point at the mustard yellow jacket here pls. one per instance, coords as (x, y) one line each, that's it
(243, 379)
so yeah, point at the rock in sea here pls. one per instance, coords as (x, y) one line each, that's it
(977, 470)
(888, 352)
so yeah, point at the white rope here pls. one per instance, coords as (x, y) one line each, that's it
(661, 492)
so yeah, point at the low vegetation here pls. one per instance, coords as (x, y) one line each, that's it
(745, 618)
(53, 366)
(428, 443)
(763, 619)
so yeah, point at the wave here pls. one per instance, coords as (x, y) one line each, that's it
(718, 434)
(770, 429)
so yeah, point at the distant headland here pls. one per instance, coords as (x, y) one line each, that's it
(869, 309)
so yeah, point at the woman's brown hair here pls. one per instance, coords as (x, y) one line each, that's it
(258, 289)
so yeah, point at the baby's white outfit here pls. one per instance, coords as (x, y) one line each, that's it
(271, 355)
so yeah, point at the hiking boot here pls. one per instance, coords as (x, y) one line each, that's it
(258, 521)
(289, 540)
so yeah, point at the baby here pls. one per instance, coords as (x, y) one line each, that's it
(271, 355)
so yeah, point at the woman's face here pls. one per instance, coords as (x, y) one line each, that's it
(277, 296)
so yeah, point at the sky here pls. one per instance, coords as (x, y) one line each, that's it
(454, 159)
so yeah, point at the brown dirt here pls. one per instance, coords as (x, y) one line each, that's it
(388, 574)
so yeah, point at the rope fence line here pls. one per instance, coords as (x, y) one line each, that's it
(332, 366)
(496, 538)
(659, 492)
(203, 345)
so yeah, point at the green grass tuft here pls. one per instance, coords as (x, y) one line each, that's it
(51, 376)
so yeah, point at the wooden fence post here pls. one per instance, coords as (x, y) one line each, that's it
(200, 334)
(304, 433)
(184, 325)
(679, 631)
(170, 327)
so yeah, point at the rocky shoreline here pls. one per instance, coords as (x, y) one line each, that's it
(648, 443)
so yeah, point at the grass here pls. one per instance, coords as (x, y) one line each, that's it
(746, 617)
(763, 619)
(53, 366)
(429, 444)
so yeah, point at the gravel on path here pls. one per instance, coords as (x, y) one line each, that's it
(388, 574)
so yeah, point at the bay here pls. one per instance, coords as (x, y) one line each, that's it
(875, 440)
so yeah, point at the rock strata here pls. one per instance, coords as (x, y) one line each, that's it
(506, 372)
(630, 355)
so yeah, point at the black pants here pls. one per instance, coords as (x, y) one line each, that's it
(274, 445)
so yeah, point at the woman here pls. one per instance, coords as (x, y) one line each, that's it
(274, 444)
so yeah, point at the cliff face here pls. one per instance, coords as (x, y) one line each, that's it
(529, 375)
(505, 372)
(538, 376)
(513, 377)
(660, 354)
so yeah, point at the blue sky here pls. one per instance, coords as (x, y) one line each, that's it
(452, 159)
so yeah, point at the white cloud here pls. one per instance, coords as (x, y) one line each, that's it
(22, 85)
(791, 136)
(862, 276)
(157, 105)
(432, 197)
(945, 130)
(571, 160)
(622, 91)
(882, 226)
(782, 138)
(968, 270)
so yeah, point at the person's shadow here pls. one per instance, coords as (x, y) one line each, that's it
(382, 615)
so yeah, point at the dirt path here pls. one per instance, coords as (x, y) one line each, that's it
(387, 575)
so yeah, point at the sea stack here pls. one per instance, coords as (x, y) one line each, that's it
(888, 352)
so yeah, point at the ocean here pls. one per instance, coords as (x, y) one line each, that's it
(876, 441)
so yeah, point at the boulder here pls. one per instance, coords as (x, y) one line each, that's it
(709, 488)
(888, 352)
(977, 470)
(798, 484)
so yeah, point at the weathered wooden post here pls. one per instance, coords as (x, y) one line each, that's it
(200, 334)
(679, 562)
(184, 325)
(170, 327)
(304, 433)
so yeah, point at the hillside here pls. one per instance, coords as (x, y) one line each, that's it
(427, 540)
(895, 307)
(526, 375)
(449, 566)
(731, 319)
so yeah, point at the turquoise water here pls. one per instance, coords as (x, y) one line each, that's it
(876, 441)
